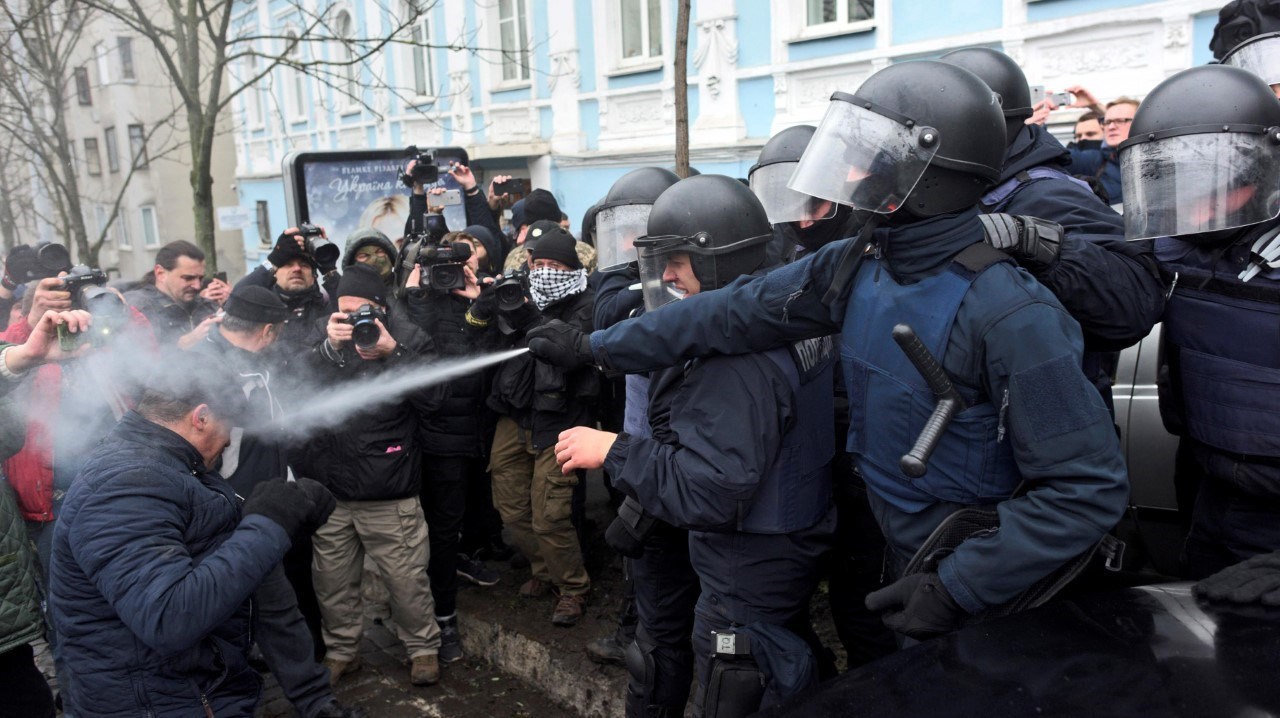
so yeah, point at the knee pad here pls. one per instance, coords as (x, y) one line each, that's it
(640, 669)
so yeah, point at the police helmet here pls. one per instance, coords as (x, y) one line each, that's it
(769, 176)
(1260, 55)
(924, 136)
(714, 219)
(624, 213)
(1004, 77)
(1203, 155)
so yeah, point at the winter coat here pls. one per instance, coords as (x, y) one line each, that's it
(169, 319)
(20, 620)
(150, 581)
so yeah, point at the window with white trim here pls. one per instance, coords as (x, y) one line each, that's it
(295, 81)
(92, 159)
(251, 94)
(150, 227)
(833, 16)
(421, 70)
(513, 39)
(113, 155)
(122, 231)
(124, 47)
(263, 212)
(104, 64)
(83, 94)
(138, 146)
(349, 71)
(639, 25)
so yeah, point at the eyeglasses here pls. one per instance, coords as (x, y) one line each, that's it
(1117, 121)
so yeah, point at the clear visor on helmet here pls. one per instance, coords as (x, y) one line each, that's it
(666, 267)
(1204, 182)
(862, 158)
(784, 204)
(616, 230)
(1261, 57)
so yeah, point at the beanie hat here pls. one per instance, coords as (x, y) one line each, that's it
(548, 240)
(491, 244)
(287, 250)
(541, 204)
(256, 304)
(362, 281)
(517, 215)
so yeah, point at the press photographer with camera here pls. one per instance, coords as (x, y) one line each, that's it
(535, 402)
(371, 462)
(26, 264)
(297, 261)
(421, 174)
(170, 296)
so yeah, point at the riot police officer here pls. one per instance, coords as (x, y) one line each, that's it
(1203, 165)
(758, 513)
(921, 160)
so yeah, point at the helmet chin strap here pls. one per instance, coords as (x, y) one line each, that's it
(851, 259)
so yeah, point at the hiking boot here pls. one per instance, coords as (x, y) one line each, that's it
(475, 571)
(338, 668)
(568, 610)
(534, 588)
(425, 671)
(450, 641)
(608, 650)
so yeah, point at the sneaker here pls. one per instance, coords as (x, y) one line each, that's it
(476, 571)
(608, 650)
(425, 671)
(535, 588)
(450, 641)
(338, 668)
(568, 610)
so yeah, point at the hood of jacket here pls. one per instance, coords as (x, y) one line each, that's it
(1033, 147)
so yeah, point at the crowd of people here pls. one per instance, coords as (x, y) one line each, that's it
(884, 360)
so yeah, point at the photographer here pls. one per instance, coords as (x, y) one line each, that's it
(170, 296)
(371, 462)
(536, 401)
(418, 225)
(300, 256)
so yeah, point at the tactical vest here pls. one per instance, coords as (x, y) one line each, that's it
(796, 493)
(996, 198)
(1222, 339)
(889, 401)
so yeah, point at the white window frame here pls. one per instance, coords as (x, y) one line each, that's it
(123, 240)
(84, 92)
(103, 61)
(123, 42)
(646, 61)
(92, 157)
(525, 71)
(295, 81)
(345, 52)
(100, 219)
(113, 150)
(420, 32)
(137, 146)
(840, 26)
(150, 221)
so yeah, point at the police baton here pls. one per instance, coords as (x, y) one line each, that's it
(915, 462)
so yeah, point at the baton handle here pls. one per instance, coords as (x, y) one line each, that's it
(915, 463)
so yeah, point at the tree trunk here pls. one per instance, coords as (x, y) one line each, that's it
(682, 89)
(201, 130)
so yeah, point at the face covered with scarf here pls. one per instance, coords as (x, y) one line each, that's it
(551, 281)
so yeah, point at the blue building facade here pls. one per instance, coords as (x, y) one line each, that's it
(572, 94)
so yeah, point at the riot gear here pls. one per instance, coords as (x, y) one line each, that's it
(926, 136)
(769, 176)
(1202, 155)
(623, 214)
(716, 221)
(1004, 77)
(1259, 55)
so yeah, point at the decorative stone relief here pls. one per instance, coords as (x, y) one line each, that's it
(715, 40)
(509, 126)
(564, 65)
(642, 109)
(1176, 33)
(1095, 56)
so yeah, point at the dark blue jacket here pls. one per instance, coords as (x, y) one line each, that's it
(1011, 341)
(1102, 163)
(1109, 285)
(152, 570)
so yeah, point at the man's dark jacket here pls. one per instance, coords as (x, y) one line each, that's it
(169, 319)
(152, 570)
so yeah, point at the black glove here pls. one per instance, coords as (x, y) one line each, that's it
(19, 267)
(1034, 242)
(299, 507)
(629, 529)
(561, 344)
(485, 305)
(1256, 580)
(927, 610)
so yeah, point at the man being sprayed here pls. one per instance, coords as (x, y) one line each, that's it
(919, 143)
(758, 512)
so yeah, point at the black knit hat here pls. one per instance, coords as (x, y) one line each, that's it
(541, 204)
(360, 280)
(287, 250)
(253, 303)
(548, 240)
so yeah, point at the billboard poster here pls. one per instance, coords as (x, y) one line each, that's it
(346, 191)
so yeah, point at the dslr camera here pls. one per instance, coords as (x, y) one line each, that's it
(364, 328)
(511, 291)
(26, 264)
(442, 266)
(424, 168)
(88, 292)
(325, 252)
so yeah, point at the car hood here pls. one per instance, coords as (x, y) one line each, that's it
(1146, 651)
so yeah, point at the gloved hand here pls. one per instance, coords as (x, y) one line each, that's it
(485, 305)
(19, 266)
(1034, 242)
(927, 610)
(1256, 580)
(299, 507)
(629, 529)
(561, 344)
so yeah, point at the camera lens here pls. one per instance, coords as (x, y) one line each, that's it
(365, 333)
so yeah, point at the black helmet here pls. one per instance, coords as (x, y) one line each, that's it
(1203, 155)
(925, 136)
(786, 146)
(1260, 55)
(713, 218)
(770, 176)
(1004, 77)
(623, 214)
